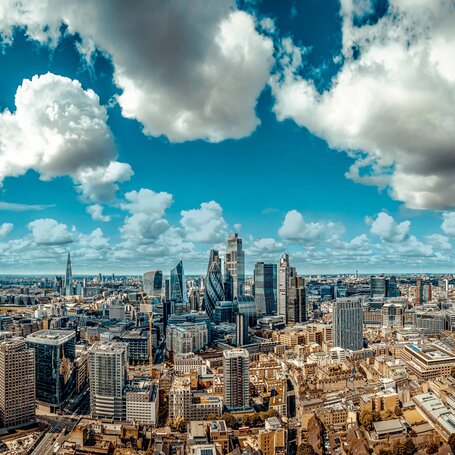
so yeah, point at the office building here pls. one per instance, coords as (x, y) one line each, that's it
(55, 373)
(241, 323)
(17, 383)
(284, 273)
(246, 305)
(265, 288)
(186, 337)
(108, 363)
(214, 285)
(142, 401)
(68, 278)
(377, 286)
(177, 284)
(236, 379)
(347, 328)
(138, 345)
(234, 265)
(296, 300)
(153, 283)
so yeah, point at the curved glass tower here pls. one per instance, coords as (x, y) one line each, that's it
(214, 288)
(178, 284)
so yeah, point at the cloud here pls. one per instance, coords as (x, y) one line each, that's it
(202, 83)
(205, 224)
(146, 221)
(296, 229)
(96, 212)
(47, 231)
(385, 227)
(16, 207)
(58, 129)
(265, 248)
(5, 229)
(439, 241)
(448, 223)
(390, 107)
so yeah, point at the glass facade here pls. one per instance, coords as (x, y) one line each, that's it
(265, 288)
(152, 283)
(214, 287)
(177, 284)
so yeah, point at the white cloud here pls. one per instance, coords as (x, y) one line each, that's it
(205, 224)
(296, 229)
(17, 207)
(390, 107)
(57, 129)
(448, 223)
(385, 227)
(5, 229)
(47, 231)
(96, 212)
(439, 241)
(204, 81)
(146, 222)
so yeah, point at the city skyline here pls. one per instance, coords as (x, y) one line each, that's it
(89, 167)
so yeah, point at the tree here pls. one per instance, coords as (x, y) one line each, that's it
(305, 449)
(410, 446)
(399, 449)
(366, 420)
(398, 411)
(433, 448)
(387, 415)
(452, 442)
(230, 420)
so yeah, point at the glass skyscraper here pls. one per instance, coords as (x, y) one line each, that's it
(214, 287)
(234, 264)
(177, 284)
(347, 328)
(153, 283)
(68, 277)
(265, 288)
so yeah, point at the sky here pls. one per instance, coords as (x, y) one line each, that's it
(134, 134)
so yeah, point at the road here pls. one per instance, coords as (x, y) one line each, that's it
(57, 425)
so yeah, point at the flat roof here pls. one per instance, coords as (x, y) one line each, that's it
(51, 337)
(388, 426)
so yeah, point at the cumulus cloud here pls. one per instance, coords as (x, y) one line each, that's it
(205, 224)
(439, 241)
(5, 229)
(58, 128)
(47, 231)
(385, 227)
(96, 212)
(390, 107)
(146, 221)
(448, 223)
(296, 229)
(202, 84)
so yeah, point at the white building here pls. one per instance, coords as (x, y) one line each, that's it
(142, 402)
(186, 363)
(236, 379)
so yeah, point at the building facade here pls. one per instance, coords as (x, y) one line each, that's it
(265, 293)
(347, 330)
(236, 379)
(234, 265)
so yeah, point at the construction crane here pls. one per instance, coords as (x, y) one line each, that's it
(150, 313)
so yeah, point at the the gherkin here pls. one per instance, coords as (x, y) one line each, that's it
(214, 289)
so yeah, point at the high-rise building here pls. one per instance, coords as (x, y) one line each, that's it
(68, 277)
(246, 305)
(347, 329)
(296, 300)
(378, 286)
(55, 352)
(177, 285)
(265, 288)
(153, 283)
(17, 383)
(236, 379)
(214, 286)
(234, 264)
(284, 272)
(241, 323)
(108, 363)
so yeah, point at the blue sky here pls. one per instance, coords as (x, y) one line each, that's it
(307, 126)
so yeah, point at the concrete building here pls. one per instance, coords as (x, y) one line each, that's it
(142, 402)
(272, 439)
(186, 337)
(108, 363)
(189, 362)
(17, 383)
(236, 379)
(138, 345)
(347, 330)
(234, 265)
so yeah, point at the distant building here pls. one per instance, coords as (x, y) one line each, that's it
(55, 352)
(108, 363)
(153, 283)
(177, 285)
(296, 300)
(214, 285)
(17, 383)
(186, 337)
(265, 292)
(236, 379)
(69, 278)
(241, 322)
(284, 271)
(347, 330)
(234, 265)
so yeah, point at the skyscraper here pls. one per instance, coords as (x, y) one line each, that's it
(241, 322)
(284, 280)
(234, 264)
(17, 383)
(347, 329)
(177, 285)
(153, 283)
(296, 300)
(236, 379)
(55, 352)
(214, 286)
(108, 363)
(265, 288)
(68, 277)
